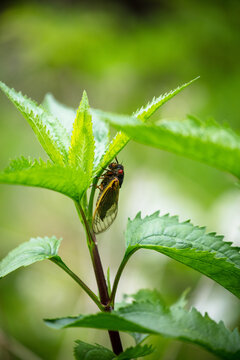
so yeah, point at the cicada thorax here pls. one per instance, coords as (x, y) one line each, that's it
(116, 170)
(107, 201)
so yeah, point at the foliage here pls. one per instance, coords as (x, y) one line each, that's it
(208, 142)
(188, 244)
(84, 351)
(148, 315)
(28, 253)
(79, 151)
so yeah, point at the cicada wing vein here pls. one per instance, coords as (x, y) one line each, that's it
(107, 207)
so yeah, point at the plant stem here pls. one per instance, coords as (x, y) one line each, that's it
(57, 260)
(118, 275)
(100, 278)
(90, 204)
(101, 281)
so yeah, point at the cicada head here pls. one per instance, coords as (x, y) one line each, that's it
(118, 171)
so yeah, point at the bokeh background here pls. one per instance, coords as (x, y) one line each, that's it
(123, 53)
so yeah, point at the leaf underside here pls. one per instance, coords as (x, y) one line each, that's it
(121, 139)
(153, 317)
(188, 244)
(208, 142)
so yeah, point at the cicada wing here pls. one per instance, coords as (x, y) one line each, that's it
(100, 225)
(107, 207)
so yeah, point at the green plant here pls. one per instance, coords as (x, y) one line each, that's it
(79, 151)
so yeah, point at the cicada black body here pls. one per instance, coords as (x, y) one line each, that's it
(107, 201)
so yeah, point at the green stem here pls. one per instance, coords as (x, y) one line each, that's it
(118, 276)
(97, 265)
(100, 278)
(58, 261)
(91, 198)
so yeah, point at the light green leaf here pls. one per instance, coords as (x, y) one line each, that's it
(49, 131)
(152, 317)
(84, 351)
(207, 142)
(116, 145)
(101, 137)
(109, 281)
(146, 112)
(67, 115)
(81, 152)
(36, 249)
(121, 139)
(188, 244)
(66, 180)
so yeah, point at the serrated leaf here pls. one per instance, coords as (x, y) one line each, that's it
(101, 137)
(135, 352)
(36, 249)
(49, 131)
(84, 351)
(172, 322)
(207, 142)
(188, 244)
(147, 111)
(67, 115)
(66, 180)
(81, 152)
(121, 139)
(116, 145)
(144, 295)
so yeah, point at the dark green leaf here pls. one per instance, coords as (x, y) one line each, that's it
(207, 142)
(206, 253)
(135, 352)
(36, 249)
(152, 317)
(84, 351)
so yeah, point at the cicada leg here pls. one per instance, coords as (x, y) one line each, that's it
(96, 186)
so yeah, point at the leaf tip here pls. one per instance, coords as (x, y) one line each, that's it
(84, 102)
(138, 216)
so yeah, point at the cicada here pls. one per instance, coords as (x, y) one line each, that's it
(107, 201)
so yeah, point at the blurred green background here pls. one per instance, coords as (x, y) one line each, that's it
(123, 53)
